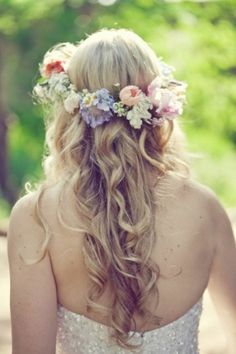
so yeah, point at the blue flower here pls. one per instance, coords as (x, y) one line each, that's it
(96, 108)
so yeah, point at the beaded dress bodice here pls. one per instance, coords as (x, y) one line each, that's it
(78, 334)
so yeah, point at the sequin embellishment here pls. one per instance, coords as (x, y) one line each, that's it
(78, 334)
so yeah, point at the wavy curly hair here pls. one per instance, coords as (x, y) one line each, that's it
(107, 169)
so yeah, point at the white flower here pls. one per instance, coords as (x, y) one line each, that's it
(140, 111)
(39, 91)
(58, 86)
(134, 119)
(142, 108)
(72, 102)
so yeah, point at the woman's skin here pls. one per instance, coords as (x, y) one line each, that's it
(195, 248)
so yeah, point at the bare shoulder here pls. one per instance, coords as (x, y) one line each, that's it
(33, 291)
(198, 190)
(22, 214)
(24, 205)
(25, 232)
(204, 197)
(201, 193)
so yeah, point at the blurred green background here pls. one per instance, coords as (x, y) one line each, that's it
(197, 37)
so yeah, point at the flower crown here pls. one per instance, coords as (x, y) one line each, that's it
(163, 100)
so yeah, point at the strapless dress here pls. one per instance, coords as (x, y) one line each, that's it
(77, 334)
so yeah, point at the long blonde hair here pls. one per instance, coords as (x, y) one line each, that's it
(107, 170)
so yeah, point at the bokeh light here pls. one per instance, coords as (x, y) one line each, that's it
(106, 2)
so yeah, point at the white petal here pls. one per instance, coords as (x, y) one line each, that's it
(72, 102)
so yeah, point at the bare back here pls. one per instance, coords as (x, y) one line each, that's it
(183, 250)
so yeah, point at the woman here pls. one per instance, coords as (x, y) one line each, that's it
(113, 252)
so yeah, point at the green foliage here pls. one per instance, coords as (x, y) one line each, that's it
(4, 211)
(19, 14)
(26, 154)
(197, 38)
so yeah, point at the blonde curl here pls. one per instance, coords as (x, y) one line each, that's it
(107, 170)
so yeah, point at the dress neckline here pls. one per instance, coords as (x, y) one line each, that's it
(196, 306)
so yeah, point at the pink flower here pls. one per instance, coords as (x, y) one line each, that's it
(167, 104)
(130, 95)
(156, 83)
(53, 67)
(153, 89)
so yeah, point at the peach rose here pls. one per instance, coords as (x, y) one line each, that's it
(130, 95)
